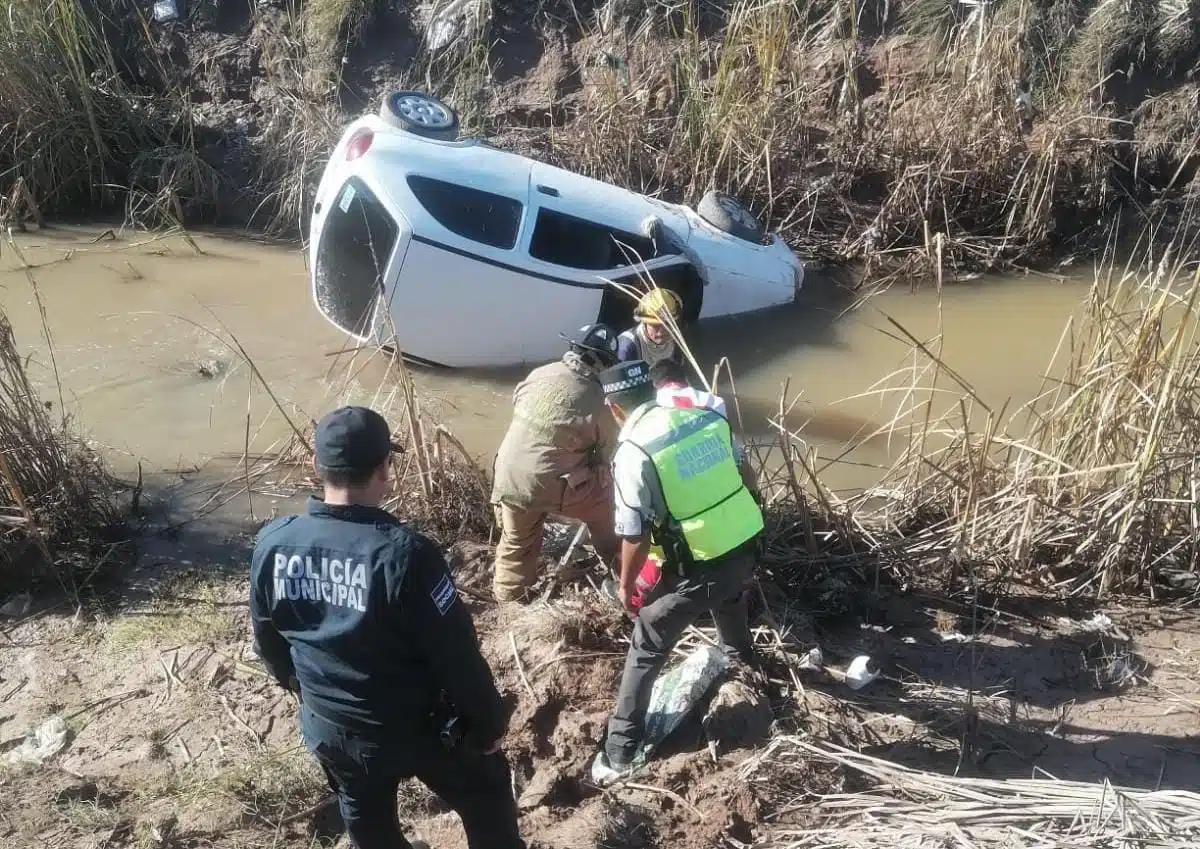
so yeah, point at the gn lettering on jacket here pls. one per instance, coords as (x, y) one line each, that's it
(341, 583)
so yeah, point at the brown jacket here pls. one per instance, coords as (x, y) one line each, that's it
(561, 435)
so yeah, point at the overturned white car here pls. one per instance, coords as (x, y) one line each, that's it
(460, 254)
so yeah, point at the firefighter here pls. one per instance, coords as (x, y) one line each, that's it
(554, 459)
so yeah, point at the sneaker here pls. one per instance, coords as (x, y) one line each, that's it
(606, 773)
(608, 591)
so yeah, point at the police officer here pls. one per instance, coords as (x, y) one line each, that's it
(359, 616)
(678, 478)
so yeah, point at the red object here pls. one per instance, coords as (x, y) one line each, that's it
(359, 144)
(647, 577)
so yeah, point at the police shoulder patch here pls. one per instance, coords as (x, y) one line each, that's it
(443, 594)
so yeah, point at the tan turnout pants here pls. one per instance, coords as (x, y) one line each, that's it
(519, 551)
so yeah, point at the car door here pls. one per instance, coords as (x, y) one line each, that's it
(589, 233)
(466, 294)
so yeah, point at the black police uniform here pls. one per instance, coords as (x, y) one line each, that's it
(361, 614)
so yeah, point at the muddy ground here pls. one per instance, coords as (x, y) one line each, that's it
(177, 738)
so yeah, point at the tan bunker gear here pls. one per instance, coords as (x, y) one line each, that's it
(553, 460)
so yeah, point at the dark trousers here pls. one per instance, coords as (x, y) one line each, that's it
(366, 775)
(671, 606)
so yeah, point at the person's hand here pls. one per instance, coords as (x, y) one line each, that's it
(627, 594)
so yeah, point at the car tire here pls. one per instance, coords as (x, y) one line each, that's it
(420, 114)
(731, 216)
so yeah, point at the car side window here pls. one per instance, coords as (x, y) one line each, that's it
(577, 243)
(471, 213)
(356, 242)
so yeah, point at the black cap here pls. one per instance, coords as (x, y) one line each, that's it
(625, 376)
(352, 439)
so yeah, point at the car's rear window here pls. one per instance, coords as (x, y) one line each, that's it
(471, 213)
(356, 242)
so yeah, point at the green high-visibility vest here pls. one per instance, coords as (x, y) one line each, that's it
(692, 452)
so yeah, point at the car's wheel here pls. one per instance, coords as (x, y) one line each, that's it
(730, 216)
(420, 114)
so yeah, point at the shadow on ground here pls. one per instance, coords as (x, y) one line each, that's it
(1056, 695)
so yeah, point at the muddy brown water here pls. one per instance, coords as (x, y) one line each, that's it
(140, 325)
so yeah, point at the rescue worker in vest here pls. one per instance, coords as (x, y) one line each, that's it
(554, 459)
(358, 615)
(679, 482)
(649, 340)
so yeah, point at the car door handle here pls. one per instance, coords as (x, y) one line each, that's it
(548, 190)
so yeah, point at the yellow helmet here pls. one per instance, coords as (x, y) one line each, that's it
(656, 302)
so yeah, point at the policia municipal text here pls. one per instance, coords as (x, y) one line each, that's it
(681, 482)
(359, 616)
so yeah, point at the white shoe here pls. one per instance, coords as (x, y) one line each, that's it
(608, 589)
(603, 774)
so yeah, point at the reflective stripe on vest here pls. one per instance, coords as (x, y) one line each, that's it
(692, 452)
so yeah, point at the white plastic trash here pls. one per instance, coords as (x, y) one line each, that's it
(454, 19)
(814, 659)
(861, 672)
(165, 10)
(46, 741)
(675, 694)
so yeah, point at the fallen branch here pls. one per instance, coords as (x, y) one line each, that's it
(512, 641)
(909, 807)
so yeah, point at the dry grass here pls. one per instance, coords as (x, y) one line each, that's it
(206, 616)
(884, 131)
(436, 484)
(1090, 488)
(70, 125)
(302, 124)
(331, 24)
(852, 151)
(55, 502)
(909, 808)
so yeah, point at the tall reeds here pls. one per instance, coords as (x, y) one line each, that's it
(861, 129)
(1094, 486)
(69, 124)
(54, 492)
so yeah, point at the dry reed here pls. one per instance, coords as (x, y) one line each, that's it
(860, 131)
(70, 124)
(1089, 488)
(909, 808)
(55, 503)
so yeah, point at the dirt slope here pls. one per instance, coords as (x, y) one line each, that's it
(177, 739)
(853, 137)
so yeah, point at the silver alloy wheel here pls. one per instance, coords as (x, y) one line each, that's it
(423, 111)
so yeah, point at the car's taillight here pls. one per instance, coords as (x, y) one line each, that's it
(359, 144)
